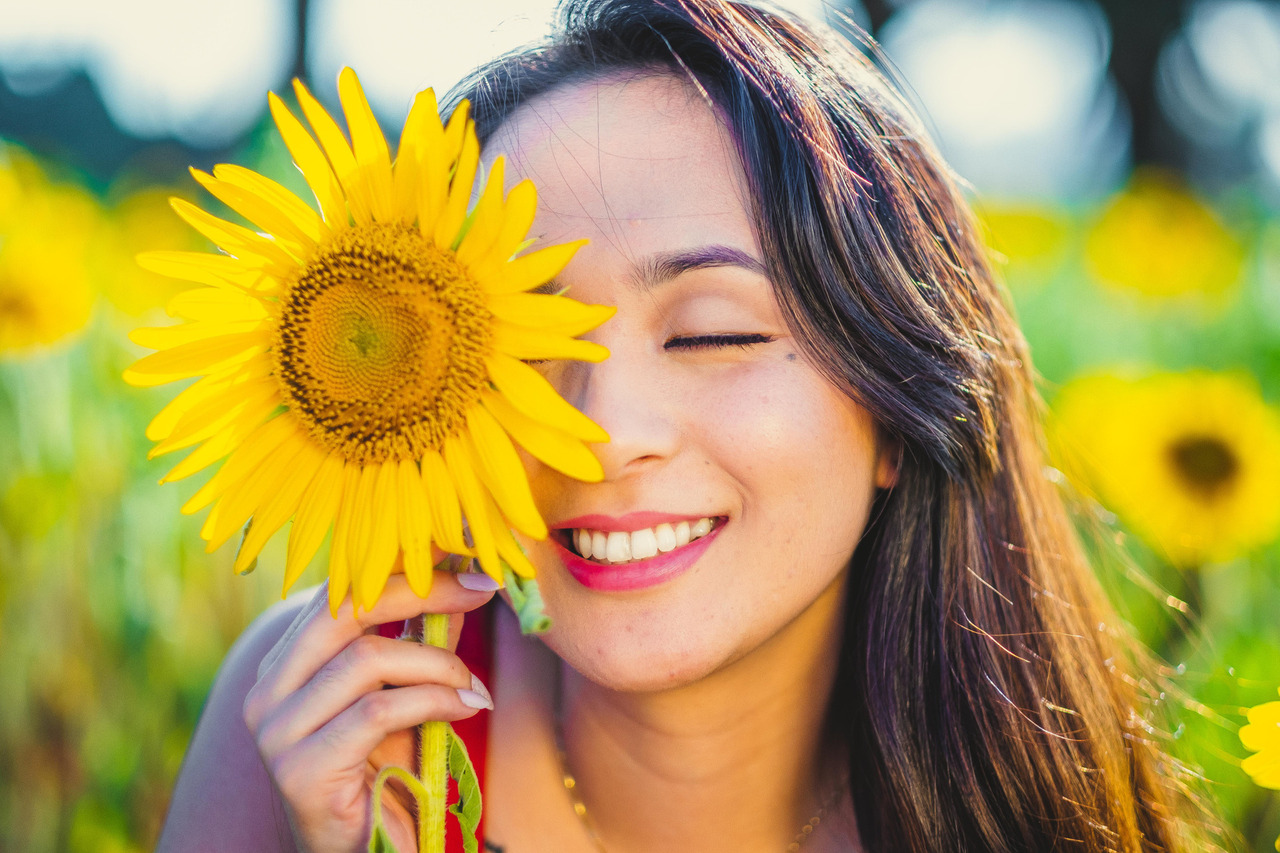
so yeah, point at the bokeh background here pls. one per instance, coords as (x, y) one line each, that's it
(1124, 156)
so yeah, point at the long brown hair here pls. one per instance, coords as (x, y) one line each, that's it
(982, 704)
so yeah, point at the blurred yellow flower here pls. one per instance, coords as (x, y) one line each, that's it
(1261, 736)
(1028, 239)
(142, 220)
(1157, 238)
(1190, 461)
(47, 232)
(363, 367)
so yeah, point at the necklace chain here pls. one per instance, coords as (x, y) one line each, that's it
(580, 808)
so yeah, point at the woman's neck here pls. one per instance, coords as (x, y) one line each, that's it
(730, 762)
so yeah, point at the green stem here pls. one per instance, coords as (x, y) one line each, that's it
(434, 769)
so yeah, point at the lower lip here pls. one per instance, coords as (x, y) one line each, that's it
(638, 575)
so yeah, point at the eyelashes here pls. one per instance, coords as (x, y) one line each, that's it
(696, 342)
(716, 341)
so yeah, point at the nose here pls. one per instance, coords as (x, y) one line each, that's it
(631, 402)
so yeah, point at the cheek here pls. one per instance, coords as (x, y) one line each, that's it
(779, 428)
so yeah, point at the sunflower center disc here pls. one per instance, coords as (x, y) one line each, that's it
(381, 344)
(1206, 464)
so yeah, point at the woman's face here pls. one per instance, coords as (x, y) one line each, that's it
(712, 410)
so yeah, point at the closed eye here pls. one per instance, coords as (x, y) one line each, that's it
(716, 341)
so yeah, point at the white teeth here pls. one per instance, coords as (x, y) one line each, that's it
(666, 536)
(619, 550)
(620, 547)
(644, 544)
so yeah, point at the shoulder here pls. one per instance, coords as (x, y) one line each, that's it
(222, 773)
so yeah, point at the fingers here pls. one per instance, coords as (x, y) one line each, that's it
(316, 637)
(367, 664)
(324, 779)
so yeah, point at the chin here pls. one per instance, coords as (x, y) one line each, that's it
(645, 671)
(640, 651)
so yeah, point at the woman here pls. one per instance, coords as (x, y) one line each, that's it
(881, 633)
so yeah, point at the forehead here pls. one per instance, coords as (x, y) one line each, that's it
(644, 151)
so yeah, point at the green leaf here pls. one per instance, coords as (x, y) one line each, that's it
(380, 842)
(526, 600)
(467, 809)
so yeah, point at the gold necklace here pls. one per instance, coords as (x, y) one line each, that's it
(580, 808)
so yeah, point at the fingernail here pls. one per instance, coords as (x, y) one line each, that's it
(477, 582)
(472, 699)
(478, 686)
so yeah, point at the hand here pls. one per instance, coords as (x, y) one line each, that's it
(324, 724)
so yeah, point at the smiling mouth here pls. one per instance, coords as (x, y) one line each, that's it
(616, 547)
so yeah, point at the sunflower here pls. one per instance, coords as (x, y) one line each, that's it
(1158, 239)
(47, 232)
(1190, 461)
(363, 367)
(1261, 736)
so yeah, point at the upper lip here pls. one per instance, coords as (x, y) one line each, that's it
(628, 523)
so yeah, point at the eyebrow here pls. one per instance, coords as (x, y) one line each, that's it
(661, 267)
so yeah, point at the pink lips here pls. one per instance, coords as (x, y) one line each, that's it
(637, 575)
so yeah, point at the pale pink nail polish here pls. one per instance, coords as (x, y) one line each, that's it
(477, 582)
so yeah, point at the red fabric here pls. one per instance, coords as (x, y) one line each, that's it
(475, 647)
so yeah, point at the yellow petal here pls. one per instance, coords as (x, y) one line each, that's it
(311, 162)
(234, 239)
(508, 549)
(384, 539)
(471, 494)
(373, 160)
(247, 497)
(558, 314)
(502, 473)
(339, 568)
(361, 528)
(168, 337)
(315, 513)
(527, 271)
(306, 222)
(197, 358)
(339, 153)
(551, 446)
(525, 343)
(261, 213)
(220, 271)
(278, 507)
(533, 395)
(251, 453)
(517, 217)
(250, 402)
(422, 132)
(207, 304)
(455, 208)
(208, 453)
(486, 219)
(446, 515)
(163, 423)
(414, 514)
